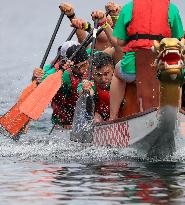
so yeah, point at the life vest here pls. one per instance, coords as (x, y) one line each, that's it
(64, 106)
(149, 22)
(102, 105)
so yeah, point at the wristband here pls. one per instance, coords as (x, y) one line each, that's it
(71, 16)
(115, 17)
(105, 25)
(87, 27)
(101, 23)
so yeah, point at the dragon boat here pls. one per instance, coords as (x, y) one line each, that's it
(151, 118)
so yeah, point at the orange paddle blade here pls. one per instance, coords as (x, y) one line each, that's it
(26, 92)
(39, 99)
(14, 121)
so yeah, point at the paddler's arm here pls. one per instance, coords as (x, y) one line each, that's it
(120, 28)
(38, 73)
(114, 50)
(121, 42)
(82, 26)
(105, 23)
(69, 11)
(114, 11)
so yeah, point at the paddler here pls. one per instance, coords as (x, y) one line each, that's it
(138, 25)
(103, 68)
(64, 102)
(102, 40)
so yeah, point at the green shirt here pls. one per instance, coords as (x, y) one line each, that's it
(120, 31)
(89, 51)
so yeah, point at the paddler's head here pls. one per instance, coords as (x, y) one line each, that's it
(103, 69)
(80, 61)
(65, 46)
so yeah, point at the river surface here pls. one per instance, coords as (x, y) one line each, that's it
(41, 169)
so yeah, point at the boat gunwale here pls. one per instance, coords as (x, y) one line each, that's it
(126, 118)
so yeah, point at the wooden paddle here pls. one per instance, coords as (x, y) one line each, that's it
(14, 120)
(83, 121)
(71, 34)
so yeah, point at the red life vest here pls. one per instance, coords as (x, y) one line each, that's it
(63, 107)
(149, 22)
(102, 105)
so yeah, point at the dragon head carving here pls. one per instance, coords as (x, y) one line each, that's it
(170, 59)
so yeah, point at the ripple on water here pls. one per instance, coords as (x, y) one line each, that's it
(57, 147)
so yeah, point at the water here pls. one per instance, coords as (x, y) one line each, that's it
(118, 182)
(41, 169)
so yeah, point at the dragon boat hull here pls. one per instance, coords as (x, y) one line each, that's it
(149, 131)
(152, 119)
(125, 131)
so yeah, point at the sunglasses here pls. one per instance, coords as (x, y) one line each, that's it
(79, 66)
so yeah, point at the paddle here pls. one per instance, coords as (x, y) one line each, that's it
(14, 120)
(72, 34)
(37, 102)
(98, 32)
(91, 38)
(83, 121)
(40, 98)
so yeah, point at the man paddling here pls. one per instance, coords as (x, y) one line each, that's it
(103, 68)
(114, 50)
(105, 40)
(64, 102)
(69, 11)
(139, 23)
(106, 23)
(111, 46)
(38, 73)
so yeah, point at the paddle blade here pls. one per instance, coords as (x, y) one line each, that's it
(14, 121)
(39, 99)
(27, 91)
(83, 126)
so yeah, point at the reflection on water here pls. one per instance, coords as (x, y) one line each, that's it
(103, 183)
(121, 183)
